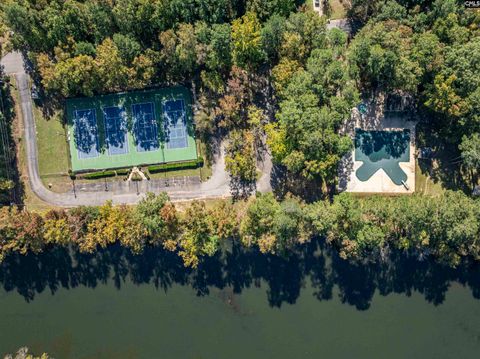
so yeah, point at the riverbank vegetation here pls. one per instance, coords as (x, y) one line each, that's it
(22, 353)
(445, 227)
(267, 73)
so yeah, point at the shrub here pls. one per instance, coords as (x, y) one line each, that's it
(123, 171)
(165, 167)
(97, 175)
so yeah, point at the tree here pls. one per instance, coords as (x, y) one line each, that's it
(233, 105)
(274, 227)
(70, 20)
(158, 217)
(73, 76)
(112, 70)
(247, 41)
(283, 73)
(143, 69)
(114, 224)
(198, 237)
(24, 22)
(444, 98)
(219, 52)
(20, 231)
(179, 51)
(137, 17)
(380, 57)
(306, 31)
(470, 149)
(256, 119)
(101, 20)
(224, 219)
(56, 228)
(128, 48)
(240, 160)
(272, 36)
(305, 139)
(78, 220)
(266, 8)
(257, 224)
(22, 353)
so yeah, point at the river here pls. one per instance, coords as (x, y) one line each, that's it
(241, 305)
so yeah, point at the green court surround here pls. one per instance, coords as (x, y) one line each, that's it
(134, 157)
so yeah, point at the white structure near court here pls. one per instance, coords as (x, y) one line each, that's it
(318, 6)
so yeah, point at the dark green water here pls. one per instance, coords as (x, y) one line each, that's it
(114, 305)
(382, 150)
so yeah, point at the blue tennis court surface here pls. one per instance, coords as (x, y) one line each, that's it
(145, 127)
(86, 133)
(175, 124)
(116, 130)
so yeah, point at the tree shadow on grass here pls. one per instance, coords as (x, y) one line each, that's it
(445, 167)
(315, 264)
(9, 166)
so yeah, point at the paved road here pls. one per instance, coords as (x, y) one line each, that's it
(342, 24)
(122, 193)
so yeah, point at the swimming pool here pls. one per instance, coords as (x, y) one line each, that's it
(382, 150)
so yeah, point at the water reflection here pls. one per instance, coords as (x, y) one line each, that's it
(238, 269)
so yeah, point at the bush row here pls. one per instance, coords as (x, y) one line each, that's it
(97, 175)
(165, 167)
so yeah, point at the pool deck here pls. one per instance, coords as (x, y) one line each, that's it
(380, 182)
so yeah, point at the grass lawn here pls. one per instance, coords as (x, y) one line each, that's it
(338, 11)
(51, 143)
(424, 184)
(52, 149)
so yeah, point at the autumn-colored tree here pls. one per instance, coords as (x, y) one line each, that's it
(159, 219)
(56, 229)
(20, 231)
(233, 105)
(282, 74)
(224, 219)
(444, 99)
(179, 51)
(247, 41)
(71, 76)
(114, 223)
(198, 237)
(240, 160)
(111, 69)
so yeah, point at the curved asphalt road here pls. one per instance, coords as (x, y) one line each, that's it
(216, 187)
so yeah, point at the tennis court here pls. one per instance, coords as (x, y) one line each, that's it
(86, 133)
(131, 129)
(382, 150)
(145, 127)
(175, 124)
(115, 119)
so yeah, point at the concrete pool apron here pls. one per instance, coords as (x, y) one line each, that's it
(382, 150)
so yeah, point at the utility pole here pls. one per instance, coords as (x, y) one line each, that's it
(74, 192)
